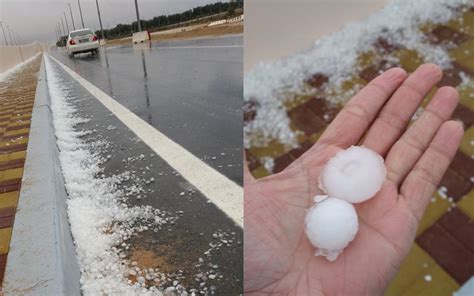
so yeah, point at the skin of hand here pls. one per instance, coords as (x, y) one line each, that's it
(278, 257)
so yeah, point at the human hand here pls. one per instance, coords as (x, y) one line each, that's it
(278, 257)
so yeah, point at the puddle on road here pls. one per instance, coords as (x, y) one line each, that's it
(177, 265)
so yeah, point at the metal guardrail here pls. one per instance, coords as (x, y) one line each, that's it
(239, 18)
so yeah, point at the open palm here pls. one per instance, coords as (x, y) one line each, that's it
(279, 258)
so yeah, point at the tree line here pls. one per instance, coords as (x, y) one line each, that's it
(164, 21)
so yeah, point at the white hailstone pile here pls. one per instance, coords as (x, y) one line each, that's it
(353, 175)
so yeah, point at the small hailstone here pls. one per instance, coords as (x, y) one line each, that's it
(330, 226)
(354, 175)
(141, 280)
(428, 278)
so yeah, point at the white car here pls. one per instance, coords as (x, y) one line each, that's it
(80, 41)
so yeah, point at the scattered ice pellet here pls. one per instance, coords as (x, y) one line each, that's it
(355, 174)
(141, 280)
(428, 278)
(170, 291)
(330, 226)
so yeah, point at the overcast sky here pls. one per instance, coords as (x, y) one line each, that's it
(36, 19)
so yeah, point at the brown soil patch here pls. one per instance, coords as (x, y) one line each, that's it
(226, 29)
(149, 259)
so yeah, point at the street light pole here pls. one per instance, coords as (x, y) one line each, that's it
(65, 18)
(10, 34)
(15, 37)
(18, 46)
(4, 36)
(100, 20)
(138, 17)
(72, 18)
(62, 24)
(80, 12)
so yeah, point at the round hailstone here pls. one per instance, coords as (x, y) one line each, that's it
(330, 226)
(354, 175)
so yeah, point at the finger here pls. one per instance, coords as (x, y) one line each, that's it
(422, 181)
(354, 119)
(408, 149)
(398, 111)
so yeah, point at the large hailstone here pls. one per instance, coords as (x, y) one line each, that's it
(354, 175)
(331, 225)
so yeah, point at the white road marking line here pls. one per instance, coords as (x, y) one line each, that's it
(187, 47)
(223, 192)
(197, 47)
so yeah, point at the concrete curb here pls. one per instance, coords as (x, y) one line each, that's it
(42, 258)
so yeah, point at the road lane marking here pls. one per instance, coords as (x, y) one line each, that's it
(184, 47)
(197, 47)
(220, 190)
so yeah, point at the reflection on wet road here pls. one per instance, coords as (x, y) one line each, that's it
(190, 90)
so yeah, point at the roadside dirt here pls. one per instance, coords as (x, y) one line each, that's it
(189, 33)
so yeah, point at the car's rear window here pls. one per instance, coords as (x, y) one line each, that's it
(81, 33)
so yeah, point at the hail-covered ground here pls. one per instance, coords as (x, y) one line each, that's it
(9, 74)
(138, 226)
(270, 85)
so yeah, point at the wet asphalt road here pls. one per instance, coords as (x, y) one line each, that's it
(201, 241)
(190, 90)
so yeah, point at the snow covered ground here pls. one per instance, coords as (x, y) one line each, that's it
(5, 75)
(99, 220)
(139, 228)
(336, 56)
